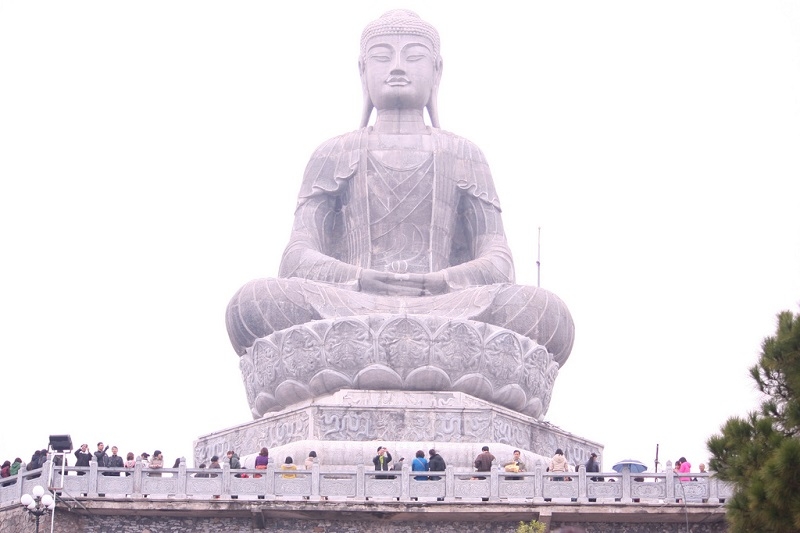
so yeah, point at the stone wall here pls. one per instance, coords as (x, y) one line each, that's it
(15, 521)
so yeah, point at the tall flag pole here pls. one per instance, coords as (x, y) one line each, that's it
(538, 258)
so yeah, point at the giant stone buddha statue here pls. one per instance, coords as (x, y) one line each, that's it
(397, 274)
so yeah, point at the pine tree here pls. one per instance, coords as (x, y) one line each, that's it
(760, 454)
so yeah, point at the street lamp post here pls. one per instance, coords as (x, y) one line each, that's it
(38, 504)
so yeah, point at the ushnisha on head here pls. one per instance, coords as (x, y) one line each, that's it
(386, 29)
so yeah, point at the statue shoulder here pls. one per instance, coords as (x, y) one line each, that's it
(470, 169)
(462, 148)
(331, 164)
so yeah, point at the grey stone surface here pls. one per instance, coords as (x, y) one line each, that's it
(344, 427)
(237, 516)
(385, 352)
(394, 220)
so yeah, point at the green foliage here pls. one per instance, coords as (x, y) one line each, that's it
(534, 526)
(760, 454)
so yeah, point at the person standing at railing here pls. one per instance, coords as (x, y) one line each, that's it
(235, 464)
(420, 464)
(436, 463)
(16, 466)
(5, 471)
(145, 458)
(682, 466)
(382, 460)
(14, 469)
(311, 460)
(702, 468)
(514, 465)
(288, 464)
(37, 460)
(156, 463)
(115, 461)
(233, 460)
(593, 466)
(483, 462)
(214, 466)
(82, 457)
(558, 464)
(262, 460)
(101, 455)
(130, 463)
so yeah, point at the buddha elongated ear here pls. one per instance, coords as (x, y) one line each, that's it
(366, 110)
(433, 106)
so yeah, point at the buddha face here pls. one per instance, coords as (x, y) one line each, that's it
(399, 71)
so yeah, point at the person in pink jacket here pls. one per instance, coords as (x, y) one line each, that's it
(682, 466)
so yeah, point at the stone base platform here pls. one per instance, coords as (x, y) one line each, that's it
(346, 427)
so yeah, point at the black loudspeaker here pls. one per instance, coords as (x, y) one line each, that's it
(61, 443)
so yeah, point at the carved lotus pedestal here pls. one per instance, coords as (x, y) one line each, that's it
(342, 386)
(398, 352)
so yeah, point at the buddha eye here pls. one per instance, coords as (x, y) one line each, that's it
(415, 57)
(382, 58)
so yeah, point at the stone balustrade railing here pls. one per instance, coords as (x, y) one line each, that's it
(362, 483)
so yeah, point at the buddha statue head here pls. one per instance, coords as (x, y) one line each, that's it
(400, 65)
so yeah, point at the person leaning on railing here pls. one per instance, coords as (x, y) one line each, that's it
(558, 464)
(288, 464)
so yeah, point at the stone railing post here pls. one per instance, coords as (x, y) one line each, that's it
(92, 478)
(626, 484)
(360, 482)
(494, 484)
(670, 480)
(449, 483)
(405, 479)
(713, 489)
(270, 474)
(538, 484)
(315, 496)
(18, 492)
(226, 479)
(138, 473)
(182, 479)
(47, 474)
(583, 496)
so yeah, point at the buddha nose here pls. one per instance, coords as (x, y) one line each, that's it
(398, 69)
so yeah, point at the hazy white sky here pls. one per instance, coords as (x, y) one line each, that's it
(151, 153)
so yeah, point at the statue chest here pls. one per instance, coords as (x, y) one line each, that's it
(400, 196)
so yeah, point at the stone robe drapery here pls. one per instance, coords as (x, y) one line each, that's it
(331, 243)
(331, 238)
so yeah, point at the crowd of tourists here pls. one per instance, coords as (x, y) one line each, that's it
(104, 456)
(109, 457)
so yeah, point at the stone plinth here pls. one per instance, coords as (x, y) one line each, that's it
(398, 352)
(345, 428)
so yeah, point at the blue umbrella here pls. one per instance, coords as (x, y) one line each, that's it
(636, 466)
